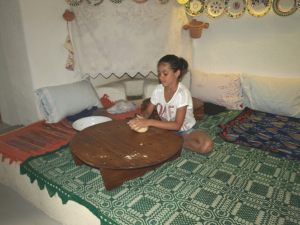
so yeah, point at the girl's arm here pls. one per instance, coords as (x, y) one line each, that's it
(148, 111)
(168, 125)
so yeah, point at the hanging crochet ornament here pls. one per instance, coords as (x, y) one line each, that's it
(68, 15)
(70, 59)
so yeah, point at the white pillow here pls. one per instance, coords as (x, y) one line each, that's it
(57, 102)
(220, 89)
(134, 87)
(149, 86)
(186, 80)
(114, 90)
(272, 94)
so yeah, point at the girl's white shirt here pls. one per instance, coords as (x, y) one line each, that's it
(167, 110)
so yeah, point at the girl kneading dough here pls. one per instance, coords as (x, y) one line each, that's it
(174, 106)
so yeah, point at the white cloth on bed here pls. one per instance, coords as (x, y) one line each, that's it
(127, 37)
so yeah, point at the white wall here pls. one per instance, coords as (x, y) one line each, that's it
(266, 45)
(17, 99)
(45, 34)
(32, 53)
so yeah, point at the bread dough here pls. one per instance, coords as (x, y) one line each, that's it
(141, 129)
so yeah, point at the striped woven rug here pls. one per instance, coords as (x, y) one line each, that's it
(35, 139)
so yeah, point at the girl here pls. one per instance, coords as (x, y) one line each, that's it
(174, 106)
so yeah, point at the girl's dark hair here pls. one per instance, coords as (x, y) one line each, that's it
(176, 63)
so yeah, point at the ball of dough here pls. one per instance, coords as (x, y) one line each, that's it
(141, 129)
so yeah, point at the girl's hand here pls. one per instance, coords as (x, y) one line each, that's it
(139, 116)
(138, 124)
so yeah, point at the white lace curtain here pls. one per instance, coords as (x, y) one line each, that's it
(127, 38)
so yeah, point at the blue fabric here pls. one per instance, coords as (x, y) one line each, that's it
(270, 132)
(84, 113)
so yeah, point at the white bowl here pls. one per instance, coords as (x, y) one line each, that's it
(86, 122)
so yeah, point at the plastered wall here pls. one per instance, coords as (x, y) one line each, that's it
(266, 45)
(32, 53)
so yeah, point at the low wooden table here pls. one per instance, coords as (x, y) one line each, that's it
(122, 154)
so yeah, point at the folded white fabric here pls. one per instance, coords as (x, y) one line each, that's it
(57, 102)
(122, 106)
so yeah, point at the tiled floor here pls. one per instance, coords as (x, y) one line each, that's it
(14, 210)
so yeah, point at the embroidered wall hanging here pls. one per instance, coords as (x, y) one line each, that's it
(127, 38)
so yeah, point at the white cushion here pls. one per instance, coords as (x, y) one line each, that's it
(220, 89)
(114, 90)
(149, 86)
(186, 80)
(134, 87)
(277, 94)
(57, 102)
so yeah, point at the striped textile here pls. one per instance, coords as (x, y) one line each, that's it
(35, 139)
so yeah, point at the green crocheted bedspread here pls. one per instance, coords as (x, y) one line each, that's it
(232, 185)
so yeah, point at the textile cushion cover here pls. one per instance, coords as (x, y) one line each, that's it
(57, 102)
(220, 89)
(278, 95)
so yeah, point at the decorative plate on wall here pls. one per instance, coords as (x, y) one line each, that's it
(215, 8)
(94, 2)
(235, 8)
(284, 7)
(258, 8)
(194, 7)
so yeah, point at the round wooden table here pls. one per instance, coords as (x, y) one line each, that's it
(122, 154)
